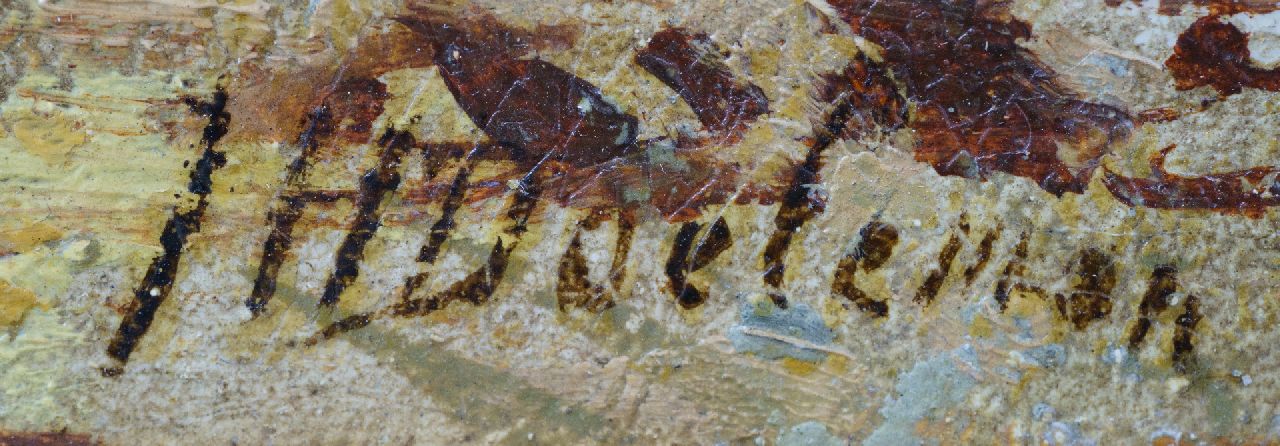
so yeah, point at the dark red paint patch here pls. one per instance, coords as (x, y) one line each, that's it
(1216, 53)
(540, 110)
(1248, 192)
(985, 104)
(44, 439)
(693, 66)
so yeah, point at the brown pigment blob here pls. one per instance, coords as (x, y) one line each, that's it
(1091, 299)
(1215, 53)
(689, 254)
(540, 110)
(1011, 269)
(1185, 329)
(933, 282)
(1160, 289)
(874, 249)
(1247, 192)
(693, 66)
(985, 104)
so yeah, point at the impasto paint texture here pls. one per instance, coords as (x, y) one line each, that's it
(792, 222)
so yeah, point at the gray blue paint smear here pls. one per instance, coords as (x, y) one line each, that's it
(796, 321)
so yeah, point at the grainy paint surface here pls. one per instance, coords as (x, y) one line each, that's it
(639, 221)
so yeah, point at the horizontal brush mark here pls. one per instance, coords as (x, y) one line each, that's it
(345, 114)
(928, 290)
(686, 258)
(864, 87)
(1174, 7)
(158, 281)
(9, 438)
(1160, 289)
(691, 65)
(1091, 299)
(1011, 269)
(476, 288)
(876, 244)
(376, 187)
(1247, 192)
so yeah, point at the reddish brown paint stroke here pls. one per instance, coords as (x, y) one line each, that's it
(985, 104)
(1248, 192)
(693, 66)
(44, 439)
(1215, 53)
(1174, 7)
(543, 111)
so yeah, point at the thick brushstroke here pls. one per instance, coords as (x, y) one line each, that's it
(1246, 192)
(687, 257)
(376, 187)
(622, 249)
(345, 114)
(1160, 289)
(928, 290)
(158, 281)
(574, 289)
(693, 66)
(476, 288)
(876, 244)
(983, 256)
(863, 87)
(274, 251)
(1173, 7)
(444, 225)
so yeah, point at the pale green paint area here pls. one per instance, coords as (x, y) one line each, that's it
(931, 385)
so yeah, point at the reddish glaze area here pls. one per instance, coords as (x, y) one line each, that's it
(1216, 53)
(355, 104)
(1246, 192)
(540, 110)
(984, 104)
(694, 67)
(877, 104)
